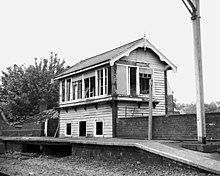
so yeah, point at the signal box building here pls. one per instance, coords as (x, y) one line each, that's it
(97, 91)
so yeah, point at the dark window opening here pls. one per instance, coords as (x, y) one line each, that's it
(68, 129)
(133, 80)
(92, 87)
(74, 90)
(86, 81)
(82, 128)
(99, 128)
(144, 83)
(68, 89)
(63, 90)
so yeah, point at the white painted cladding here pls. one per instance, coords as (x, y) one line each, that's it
(90, 115)
(141, 56)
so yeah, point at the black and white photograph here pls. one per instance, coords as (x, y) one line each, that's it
(109, 88)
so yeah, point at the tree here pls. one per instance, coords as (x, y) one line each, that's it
(23, 88)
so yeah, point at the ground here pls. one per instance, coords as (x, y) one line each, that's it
(34, 164)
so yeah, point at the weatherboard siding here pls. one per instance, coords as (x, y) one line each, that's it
(139, 56)
(90, 115)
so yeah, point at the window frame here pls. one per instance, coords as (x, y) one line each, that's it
(95, 128)
(66, 128)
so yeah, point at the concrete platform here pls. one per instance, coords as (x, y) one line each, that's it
(169, 149)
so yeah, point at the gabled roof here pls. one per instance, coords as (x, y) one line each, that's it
(111, 56)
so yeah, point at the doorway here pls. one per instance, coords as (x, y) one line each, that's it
(82, 128)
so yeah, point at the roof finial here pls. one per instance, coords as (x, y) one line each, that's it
(145, 42)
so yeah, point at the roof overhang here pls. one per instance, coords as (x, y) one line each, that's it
(145, 44)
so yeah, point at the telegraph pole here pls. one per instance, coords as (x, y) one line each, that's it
(194, 9)
(150, 123)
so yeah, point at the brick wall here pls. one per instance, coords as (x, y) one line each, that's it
(173, 127)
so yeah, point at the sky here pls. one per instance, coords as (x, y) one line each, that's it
(76, 30)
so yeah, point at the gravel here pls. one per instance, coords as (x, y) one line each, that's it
(33, 164)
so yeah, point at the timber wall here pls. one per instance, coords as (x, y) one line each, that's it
(90, 114)
(148, 56)
(173, 127)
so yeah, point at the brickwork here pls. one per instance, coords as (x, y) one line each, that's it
(173, 127)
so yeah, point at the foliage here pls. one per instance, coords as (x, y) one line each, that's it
(23, 88)
(191, 108)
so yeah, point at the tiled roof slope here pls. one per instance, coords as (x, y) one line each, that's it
(100, 58)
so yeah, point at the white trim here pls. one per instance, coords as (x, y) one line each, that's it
(65, 90)
(127, 79)
(71, 89)
(96, 83)
(68, 135)
(144, 43)
(103, 69)
(82, 70)
(45, 127)
(95, 121)
(137, 81)
(153, 82)
(83, 87)
(60, 91)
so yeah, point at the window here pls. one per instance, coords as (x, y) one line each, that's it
(100, 82)
(74, 90)
(89, 87)
(99, 128)
(79, 89)
(103, 81)
(63, 90)
(144, 83)
(132, 75)
(106, 80)
(68, 129)
(68, 89)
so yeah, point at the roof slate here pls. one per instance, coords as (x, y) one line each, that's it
(100, 58)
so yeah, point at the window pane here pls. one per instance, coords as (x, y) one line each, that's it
(144, 83)
(68, 90)
(86, 81)
(79, 95)
(133, 80)
(92, 86)
(100, 82)
(63, 90)
(74, 90)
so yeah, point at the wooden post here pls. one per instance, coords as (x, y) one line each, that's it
(165, 90)
(114, 103)
(150, 111)
(201, 128)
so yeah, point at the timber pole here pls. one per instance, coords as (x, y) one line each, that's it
(194, 9)
(150, 111)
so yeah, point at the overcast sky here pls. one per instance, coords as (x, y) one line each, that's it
(76, 30)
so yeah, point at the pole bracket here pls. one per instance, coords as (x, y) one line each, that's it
(191, 8)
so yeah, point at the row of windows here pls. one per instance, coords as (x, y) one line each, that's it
(73, 90)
